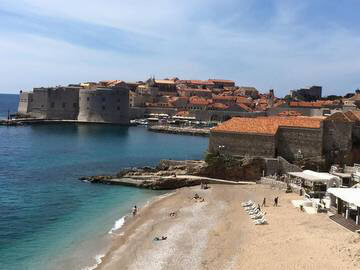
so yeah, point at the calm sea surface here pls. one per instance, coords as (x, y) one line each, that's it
(49, 219)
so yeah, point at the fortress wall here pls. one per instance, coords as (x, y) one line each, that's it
(25, 103)
(40, 103)
(63, 103)
(104, 105)
(290, 140)
(337, 136)
(242, 144)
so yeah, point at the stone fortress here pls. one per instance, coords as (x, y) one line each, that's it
(82, 103)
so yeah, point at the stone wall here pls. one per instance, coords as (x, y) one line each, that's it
(290, 140)
(304, 111)
(215, 115)
(104, 105)
(60, 103)
(25, 103)
(279, 166)
(242, 144)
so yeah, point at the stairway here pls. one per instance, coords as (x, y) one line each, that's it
(348, 224)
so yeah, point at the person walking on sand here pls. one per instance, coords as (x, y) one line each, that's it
(276, 201)
(264, 202)
(134, 211)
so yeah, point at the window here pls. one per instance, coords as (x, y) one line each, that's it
(103, 99)
(118, 108)
(63, 104)
(103, 107)
(118, 100)
(52, 105)
(87, 99)
(75, 105)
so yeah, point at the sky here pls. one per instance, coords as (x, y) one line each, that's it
(269, 44)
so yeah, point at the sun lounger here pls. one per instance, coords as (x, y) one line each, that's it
(248, 203)
(257, 216)
(250, 208)
(260, 221)
(253, 212)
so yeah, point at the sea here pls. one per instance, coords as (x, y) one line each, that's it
(51, 220)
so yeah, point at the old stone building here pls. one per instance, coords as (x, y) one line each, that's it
(108, 105)
(77, 103)
(290, 137)
(55, 103)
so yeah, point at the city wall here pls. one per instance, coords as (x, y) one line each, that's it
(290, 140)
(242, 144)
(104, 105)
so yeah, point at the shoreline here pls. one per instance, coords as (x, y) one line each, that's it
(203, 231)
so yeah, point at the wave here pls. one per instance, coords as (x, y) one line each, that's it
(118, 224)
(98, 259)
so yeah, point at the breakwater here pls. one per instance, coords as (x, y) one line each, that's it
(180, 130)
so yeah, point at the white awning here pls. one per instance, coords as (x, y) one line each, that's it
(315, 176)
(350, 195)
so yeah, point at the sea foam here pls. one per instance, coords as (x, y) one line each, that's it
(98, 259)
(118, 224)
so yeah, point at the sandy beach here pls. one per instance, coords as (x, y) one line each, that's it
(218, 234)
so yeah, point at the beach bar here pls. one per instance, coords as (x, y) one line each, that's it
(345, 202)
(315, 184)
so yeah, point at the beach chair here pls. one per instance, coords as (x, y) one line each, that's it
(257, 216)
(248, 203)
(254, 212)
(260, 221)
(251, 208)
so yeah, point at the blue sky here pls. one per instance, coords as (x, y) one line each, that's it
(263, 43)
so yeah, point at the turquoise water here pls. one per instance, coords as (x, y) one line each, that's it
(49, 219)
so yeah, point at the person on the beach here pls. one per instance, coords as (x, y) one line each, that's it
(264, 202)
(258, 208)
(196, 196)
(276, 200)
(134, 211)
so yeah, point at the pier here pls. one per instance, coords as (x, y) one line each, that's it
(180, 130)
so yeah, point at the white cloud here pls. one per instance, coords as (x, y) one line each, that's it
(193, 39)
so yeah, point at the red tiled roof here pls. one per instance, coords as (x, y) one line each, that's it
(244, 107)
(195, 90)
(315, 104)
(290, 113)
(243, 100)
(224, 98)
(220, 106)
(266, 125)
(199, 101)
(221, 81)
(182, 113)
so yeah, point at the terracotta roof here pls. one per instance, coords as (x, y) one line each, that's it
(266, 125)
(224, 98)
(220, 106)
(182, 113)
(290, 113)
(243, 100)
(195, 90)
(244, 107)
(198, 82)
(315, 104)
(199, 101)
(221, 81)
